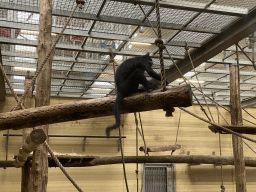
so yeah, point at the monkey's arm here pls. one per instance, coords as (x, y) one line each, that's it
(156, 76)
(152, 73)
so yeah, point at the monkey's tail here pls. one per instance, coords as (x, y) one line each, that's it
(117, 111)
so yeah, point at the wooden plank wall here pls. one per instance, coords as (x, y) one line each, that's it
(194, 136)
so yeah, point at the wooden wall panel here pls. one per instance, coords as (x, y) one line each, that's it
(194, 136)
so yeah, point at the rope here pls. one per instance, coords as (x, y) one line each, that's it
(45, 143)
(61, 166)
(141, 127)
(218, 111)
(177, 132)
(147, 18)
(141, 132)
(249, 113)
(45, 60)
(249, 147)
(120, 135)
(186, 81)
(137, 153)
(191, 61)
(178, 129)
(219, 126)
(145, 145)
(221, 166)
(8, 81)
(113, 62)
(122, 154)
(161, 46)
(249, 121)
(19, 105)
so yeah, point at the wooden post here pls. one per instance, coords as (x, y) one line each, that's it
(39, 170)
(35, 138)
(2, 85)
(172, 97)
(236, 120)
(25, 170)
(160, 148)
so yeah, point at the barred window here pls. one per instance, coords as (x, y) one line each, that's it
(158, 177)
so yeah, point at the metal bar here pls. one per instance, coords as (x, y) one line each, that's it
(191, 19)
(194, 6)
(96, 35)
(78, 48)
(87, 136)
(249, 103)
(234, 33)
(110, 19)
(135, 30)
(233, 52)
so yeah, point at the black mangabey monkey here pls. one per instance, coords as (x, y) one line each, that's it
(128, 77)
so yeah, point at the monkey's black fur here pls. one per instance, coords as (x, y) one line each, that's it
(128, 76)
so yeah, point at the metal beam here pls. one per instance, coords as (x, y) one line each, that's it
(78, 48)
(212, 80)
(234, 33)
(249, 103)
(55, 58)
(194, 6)
(228, 61)
(220, 71)
(111, 19)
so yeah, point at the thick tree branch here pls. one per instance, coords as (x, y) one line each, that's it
(172, 97)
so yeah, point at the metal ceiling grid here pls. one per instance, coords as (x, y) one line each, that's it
(176, 16)
(190, 36)
(248, 4)
(87, 72)
(147, 32)
(212, 21)
(124, 10)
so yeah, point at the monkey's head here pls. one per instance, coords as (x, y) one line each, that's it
(148, 58)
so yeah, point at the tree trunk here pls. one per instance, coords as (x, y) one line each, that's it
(236, 120)
(36, 137)
(39, 170)
(25, 170)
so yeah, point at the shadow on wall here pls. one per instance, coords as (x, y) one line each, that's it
(211, 173)
(2, 106)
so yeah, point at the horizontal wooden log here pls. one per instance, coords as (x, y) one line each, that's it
(172, 97)
(240, 129)
(36, 137)
(189, 159)
(161, 148)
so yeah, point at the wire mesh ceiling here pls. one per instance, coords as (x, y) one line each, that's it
(121, 25)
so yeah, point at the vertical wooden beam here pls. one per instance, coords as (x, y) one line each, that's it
(2, 84)
(236, 120)
(25, 170)
(39, 171)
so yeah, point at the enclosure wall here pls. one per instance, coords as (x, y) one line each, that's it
(194, 137)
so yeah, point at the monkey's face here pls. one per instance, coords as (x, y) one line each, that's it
(150, 61)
